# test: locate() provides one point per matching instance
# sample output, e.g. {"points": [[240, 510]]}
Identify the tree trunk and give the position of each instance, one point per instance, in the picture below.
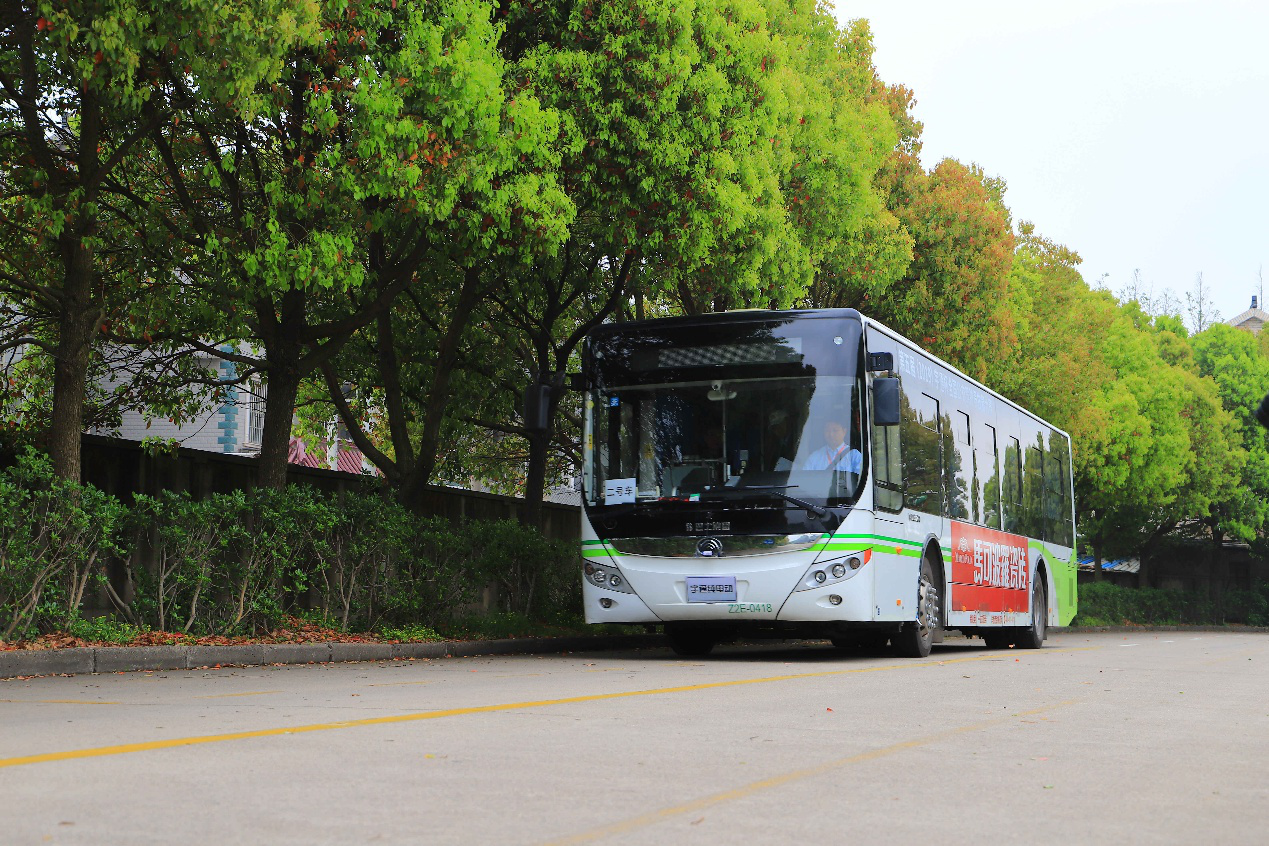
{"points": [[283, 351], [535, 478], [442, 374], [275, 441], [70, 371]]}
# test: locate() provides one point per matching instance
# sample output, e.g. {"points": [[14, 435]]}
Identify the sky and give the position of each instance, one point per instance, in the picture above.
{"points": [[1135, 132]]}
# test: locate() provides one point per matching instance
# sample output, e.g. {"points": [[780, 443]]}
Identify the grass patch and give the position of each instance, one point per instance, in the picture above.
{"points": [[103, 630], [410, 634]]}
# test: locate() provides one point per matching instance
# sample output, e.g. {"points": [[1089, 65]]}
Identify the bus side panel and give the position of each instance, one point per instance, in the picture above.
{"points": [[1066, 590], [1063, 589], [896, 577]]}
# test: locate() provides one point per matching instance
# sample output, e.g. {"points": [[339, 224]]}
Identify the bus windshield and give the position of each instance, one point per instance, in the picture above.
{"points": [[766, 413]]}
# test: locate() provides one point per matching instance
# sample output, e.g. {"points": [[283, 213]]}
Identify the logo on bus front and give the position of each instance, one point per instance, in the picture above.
{"points": [[709, 547]]}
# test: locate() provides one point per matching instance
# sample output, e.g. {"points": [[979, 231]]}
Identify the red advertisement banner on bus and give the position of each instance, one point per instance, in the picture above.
{"points": [[990, 570]]}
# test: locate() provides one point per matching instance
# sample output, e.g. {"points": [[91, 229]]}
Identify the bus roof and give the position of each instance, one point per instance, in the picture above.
{"points": [[754, 315]]}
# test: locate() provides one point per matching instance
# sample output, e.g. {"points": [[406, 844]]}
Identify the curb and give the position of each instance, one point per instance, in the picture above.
{"points": [[122, 659]]}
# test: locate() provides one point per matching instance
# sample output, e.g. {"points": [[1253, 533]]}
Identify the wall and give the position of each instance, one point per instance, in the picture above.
{"points": [[121, 467]]}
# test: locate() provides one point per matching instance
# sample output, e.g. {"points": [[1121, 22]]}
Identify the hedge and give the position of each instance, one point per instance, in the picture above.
{"points": [[237, 563], [1106, 604]]}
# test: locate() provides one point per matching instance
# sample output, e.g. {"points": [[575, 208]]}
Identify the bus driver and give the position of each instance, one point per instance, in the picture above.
{"points": [[835, 454]]}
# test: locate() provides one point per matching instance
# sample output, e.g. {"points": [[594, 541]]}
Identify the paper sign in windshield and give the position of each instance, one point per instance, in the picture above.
{"points": [[619, 491]]}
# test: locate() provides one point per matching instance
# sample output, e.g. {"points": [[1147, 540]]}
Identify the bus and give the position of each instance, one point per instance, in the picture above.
{"points": [[815, 474]]}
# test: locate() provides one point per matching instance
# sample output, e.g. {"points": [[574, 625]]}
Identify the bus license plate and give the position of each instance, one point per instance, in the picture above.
{"points": [[711, 588]]}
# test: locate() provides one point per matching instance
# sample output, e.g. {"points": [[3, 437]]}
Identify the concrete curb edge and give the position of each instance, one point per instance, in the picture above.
{"points": [[119, 659]]}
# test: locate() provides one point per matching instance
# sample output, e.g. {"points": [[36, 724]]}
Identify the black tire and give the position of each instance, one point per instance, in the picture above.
{"points": [[689, 642], [1032, 637], [915, 639]]}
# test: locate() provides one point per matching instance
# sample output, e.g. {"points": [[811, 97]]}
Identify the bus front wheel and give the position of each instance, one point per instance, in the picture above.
{"points": [[915, 639]]}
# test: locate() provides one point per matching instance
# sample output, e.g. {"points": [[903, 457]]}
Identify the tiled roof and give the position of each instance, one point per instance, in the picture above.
{"points": [[1126, 565], [349, 459], [1249, 314]]}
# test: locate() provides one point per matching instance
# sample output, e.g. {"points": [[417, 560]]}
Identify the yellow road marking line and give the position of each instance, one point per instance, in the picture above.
{"points": [[150, 746], [60, 702], [228, 695], [644, 820]]}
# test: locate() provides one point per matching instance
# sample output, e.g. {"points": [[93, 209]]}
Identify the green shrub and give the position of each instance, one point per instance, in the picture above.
{"points": [[240, 562], [1106, 604], [229, 564], [102, 630], [536, 576], [55, 537], [410, 633]]}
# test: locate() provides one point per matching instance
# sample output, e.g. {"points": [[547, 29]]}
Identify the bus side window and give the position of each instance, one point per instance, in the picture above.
{"points": [[1032, 490], [887, 472], [1011, 493], [1057, 493], [922, 458], [959, 476], [1068, 502], [987, 476]]}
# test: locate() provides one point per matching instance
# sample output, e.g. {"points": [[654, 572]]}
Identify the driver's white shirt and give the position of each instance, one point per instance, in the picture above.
{"points": [[837, 458]]}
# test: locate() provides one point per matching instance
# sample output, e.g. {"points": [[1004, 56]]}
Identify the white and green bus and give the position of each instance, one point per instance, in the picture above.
{"points": [[814, 474]]}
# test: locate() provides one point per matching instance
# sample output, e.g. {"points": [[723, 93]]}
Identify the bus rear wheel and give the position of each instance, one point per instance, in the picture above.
{"points": [[1032, 637], [915, 639], [690, 642]]}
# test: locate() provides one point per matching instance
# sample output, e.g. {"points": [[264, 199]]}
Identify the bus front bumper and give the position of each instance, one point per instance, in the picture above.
{"points": [[763, 593]]}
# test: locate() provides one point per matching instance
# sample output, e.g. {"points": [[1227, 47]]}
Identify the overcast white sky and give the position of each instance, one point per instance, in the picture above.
{"points": [[1134, 131]]}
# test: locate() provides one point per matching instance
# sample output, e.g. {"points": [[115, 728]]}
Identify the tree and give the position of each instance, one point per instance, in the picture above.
{"points": [[1199, 306], [685, 129], [1152, 446], [383, 158], [953, 225], [79, 95], [1231, 359]]}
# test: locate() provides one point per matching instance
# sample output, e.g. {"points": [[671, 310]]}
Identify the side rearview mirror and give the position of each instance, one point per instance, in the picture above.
{"points": [[537, 407], [885, 401]]}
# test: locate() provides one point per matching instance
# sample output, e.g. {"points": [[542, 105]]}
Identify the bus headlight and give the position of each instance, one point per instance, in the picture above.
{"points": [[826, 573], [605, 576]]}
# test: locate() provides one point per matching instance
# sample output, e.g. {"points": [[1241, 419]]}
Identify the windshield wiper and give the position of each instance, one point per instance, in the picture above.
{"points": [[769, 490]]}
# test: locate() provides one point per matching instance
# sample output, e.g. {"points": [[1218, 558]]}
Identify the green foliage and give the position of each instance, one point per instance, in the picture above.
{"points": [[409, 633], [533, 572], [102, 630], [55, 536], [244, 562], [85, 83], [1106, 604]]}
